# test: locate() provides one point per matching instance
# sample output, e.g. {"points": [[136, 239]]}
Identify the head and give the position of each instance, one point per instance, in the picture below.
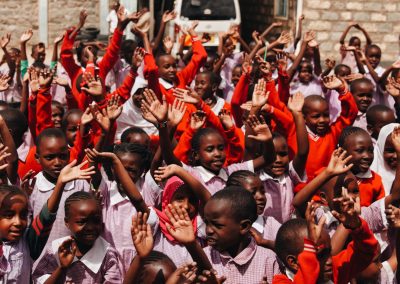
{"points": [[236, 74], [13, 213], [377, 117], [289, 244], [281, 163], [229, 215], [127, 48], [253, 184], [271, 59], [206, 84], [342, 70], [208, 149], [362, 90], [316, 114], [135, 158], [355, 41], [396, 75], [83, 217], [357, 142], [16, 123], [373, 54], [167, 67], [57, 113], [136, 135], [305, 70], [39, 52], [155, 268], [389, 153], [82, 53], [70, 124], [52, 152], [115, 5], [15, 53], [212, 57]]}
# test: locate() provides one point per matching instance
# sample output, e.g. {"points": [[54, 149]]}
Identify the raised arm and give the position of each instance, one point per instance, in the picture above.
{"points": [[166, 17], [345, 32], [26, 36], [54, 58], [12, 160], [367, 37], [309, 36], [4, 41]]}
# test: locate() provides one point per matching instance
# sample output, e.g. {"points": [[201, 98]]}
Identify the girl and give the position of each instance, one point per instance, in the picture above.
{"points": [[85, 257], [264, 228], [357, 142], [306, 82]]}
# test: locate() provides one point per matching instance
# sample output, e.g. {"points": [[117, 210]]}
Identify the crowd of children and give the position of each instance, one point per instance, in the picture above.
{"points": [[128, 163]]}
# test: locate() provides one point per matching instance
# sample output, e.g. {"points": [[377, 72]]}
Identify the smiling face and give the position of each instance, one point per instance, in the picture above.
{"points": [[133, 165], [305, 73], [203, 86], [85, 221], [389, 153], [362, 94], [167, 68], [317, 116], [56, 116], [281, 163], [72, 128], [373, 55], [13, 217], [360, 147], [254, 185], [183, 197], [211, 154]]}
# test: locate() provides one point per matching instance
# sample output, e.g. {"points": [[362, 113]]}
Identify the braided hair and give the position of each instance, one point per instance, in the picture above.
{"points": [[236, 178], [349, 131], [78, 196], [196, 142]]}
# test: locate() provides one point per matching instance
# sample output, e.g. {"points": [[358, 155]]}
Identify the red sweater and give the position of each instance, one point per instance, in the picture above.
{"points": [[371, 189], [346, 265]]}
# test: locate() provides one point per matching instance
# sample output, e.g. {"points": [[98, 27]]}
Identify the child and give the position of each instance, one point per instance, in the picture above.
{"points": [[306, 83], [136, 135], [377, 117], [20, 245], [358, 144], [85, 257], [265, 228], [340, 268], [231, 250], [362, 90]]}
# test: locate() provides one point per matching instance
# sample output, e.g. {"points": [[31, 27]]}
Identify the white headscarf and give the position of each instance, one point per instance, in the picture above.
{"points": [[379, 165]]}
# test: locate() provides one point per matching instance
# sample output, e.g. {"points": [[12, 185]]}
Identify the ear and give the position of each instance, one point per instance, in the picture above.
{"points": [[292, 262], [66, 222], [245, 226], [369, 128]]}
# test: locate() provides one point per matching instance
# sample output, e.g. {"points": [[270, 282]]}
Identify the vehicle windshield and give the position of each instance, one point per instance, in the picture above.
{"points": [[207, 10]]}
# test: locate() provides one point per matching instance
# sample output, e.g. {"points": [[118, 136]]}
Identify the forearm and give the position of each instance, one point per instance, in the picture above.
{"points": [[360, 66], [317, 62], [371, 70], [57, 276], [267, 31], [54, 57], [196, 186], [198, 255], [166, 147], [367, 37], [344, 34], [244, 45], [385, 75], [24, 97], [218, 65], [10, 63], [254, 51], [147, 44], [23, 51], [12, 160], [159, 36], [299, 161], [55, 197], [339, 239], [291, 71]]}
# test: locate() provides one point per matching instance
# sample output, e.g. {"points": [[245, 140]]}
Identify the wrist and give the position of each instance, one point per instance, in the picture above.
{"points": [[353, 224], [162, 124]]}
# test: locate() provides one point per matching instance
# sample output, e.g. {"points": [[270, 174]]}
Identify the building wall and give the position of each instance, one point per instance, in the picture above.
{"points": [[330, 18]]}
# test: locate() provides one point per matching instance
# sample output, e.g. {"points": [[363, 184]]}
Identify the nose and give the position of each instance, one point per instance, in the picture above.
{"points": [[209, 230], [17, 221], [57, 161]]}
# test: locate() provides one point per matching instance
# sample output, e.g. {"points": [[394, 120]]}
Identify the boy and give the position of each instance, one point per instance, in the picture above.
{"points": [[362, 90], [377, 117]]}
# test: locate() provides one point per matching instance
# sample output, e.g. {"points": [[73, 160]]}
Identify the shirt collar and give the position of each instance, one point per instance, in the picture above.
{"points": [[289, 274], [44, 185], [92, 259], [259, 224], [244, 256], [165, 84], [115, 195], [206, 175], [218, 105], [312, 135], [361, 114], [367, 174], [264, 177]]}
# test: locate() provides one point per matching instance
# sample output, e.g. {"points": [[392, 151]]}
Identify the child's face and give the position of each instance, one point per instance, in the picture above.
{"points": [[56, 116], [324, 257], [356, 43], [381, 119], [256, 187], [362, 151], [236, 73], [203, 86], [138, 97], [389, 153], [139, 138], [53, 155], [343, 71], [317, 117], [211, 154], [184, 198], [39, 54], [73, 121], [362, 94], [305, 74], [13, 218], [132, 164], [85, 221], [373, 56], [224, 233], [167, 68], [209, 65], [281, 163]]}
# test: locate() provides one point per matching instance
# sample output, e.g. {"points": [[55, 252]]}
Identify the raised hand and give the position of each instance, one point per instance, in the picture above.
{"points": [[392, 87], [396, 64], [5, 40], [338, 162], [260, 95], [142, 236], [151, 103], [138, 57], [284, 38], [281, 60], [330, 63], [28, 182], [181, 227], [138, 32], [296, 102], [333, 83], [26, 36], [393, 216], [97, 156], [45, 78], [114, 108], [101, 117], [67, 252], [260, 128], [210, 276], [58, 39], [168, 44], [396, 139], [314, 230], [313, 43], [185, 274], [163, 173], [168, 16], [188, 96], [255, 35], [71, 172], [176, 111], [87, 116], [197, 120], [147, 115], [4, 85], [3, 158], [309, 36], [348, 214], [82, 18], [226, 119], [93, 86], [353, 76], [246, 106], [33, 79], [61, 81]]}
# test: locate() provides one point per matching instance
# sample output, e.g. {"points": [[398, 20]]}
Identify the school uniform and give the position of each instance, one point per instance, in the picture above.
{"points": [[312, 88], [267, 226], [98, 265], [370, 186], [249, 266], [361, 120]]}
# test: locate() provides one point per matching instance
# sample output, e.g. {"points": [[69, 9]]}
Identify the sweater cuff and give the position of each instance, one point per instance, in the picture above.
{"points": [[309, 246]]}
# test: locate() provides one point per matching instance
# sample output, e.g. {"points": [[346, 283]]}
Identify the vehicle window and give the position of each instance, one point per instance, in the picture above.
{"points": [[208, 10]]}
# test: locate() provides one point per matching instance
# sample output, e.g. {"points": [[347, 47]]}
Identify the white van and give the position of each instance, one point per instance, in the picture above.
{"points": [[214, 16]]}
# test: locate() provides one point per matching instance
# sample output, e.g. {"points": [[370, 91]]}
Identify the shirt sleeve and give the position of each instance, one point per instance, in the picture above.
{"points": [[294, 176], [45, 267], [151, 192], [24, 67], [246, 166]]}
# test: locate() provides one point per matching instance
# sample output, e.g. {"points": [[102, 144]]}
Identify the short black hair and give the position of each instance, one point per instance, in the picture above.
{"points": [[64, 121], [144, 153], [214, 78], [158, 58], [78, 196], [372, 46], [289, 239], [349, 131], [49, 132], [354, 38], [16, 122], [153, 258], [308, 63], [310, 99], [374, 110], [357, 82], [236, 178], [196, 140], [241, 202], [340, 67], [132, 130]]}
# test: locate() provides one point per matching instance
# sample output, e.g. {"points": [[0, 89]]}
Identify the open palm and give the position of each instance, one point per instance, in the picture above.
{"points": [[181, 227]]}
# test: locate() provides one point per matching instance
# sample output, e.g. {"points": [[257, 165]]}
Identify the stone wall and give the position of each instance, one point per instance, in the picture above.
{"points": [[330, 18]]}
